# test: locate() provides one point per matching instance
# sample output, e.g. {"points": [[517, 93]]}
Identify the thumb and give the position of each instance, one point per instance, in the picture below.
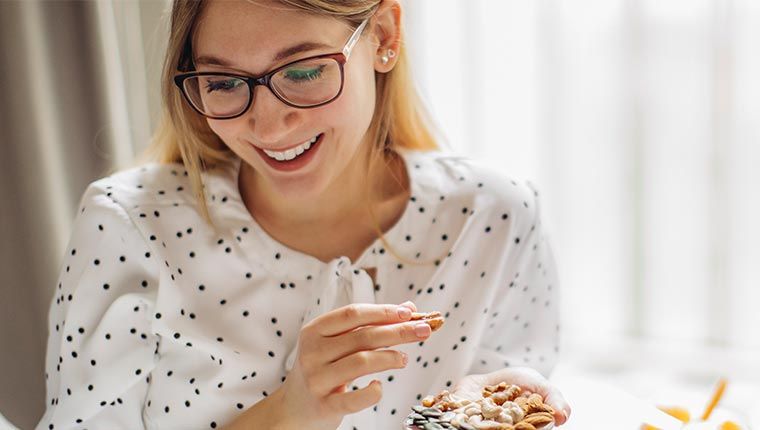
{"points": [[559, 404], [409, 305]]}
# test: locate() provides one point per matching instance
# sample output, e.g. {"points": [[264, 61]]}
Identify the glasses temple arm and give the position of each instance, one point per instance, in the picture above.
{"points": [[354, 38]]}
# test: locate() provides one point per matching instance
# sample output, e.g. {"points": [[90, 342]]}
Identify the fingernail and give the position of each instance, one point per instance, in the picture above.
{"points": [[565, 414], [408, 304], [404, 358], [422, 330], [404, 313]]}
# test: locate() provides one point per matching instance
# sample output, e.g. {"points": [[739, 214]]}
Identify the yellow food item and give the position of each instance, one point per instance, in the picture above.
{"points": [[683, 415], [715, 399], [676, 412]]}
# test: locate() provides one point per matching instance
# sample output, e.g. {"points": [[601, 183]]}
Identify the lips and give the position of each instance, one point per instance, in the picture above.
{"points": [[297, 162], [292, 152]]}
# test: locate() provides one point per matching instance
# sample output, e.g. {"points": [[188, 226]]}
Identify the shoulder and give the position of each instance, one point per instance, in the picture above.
{"points": [[472, 182], [151, 183], [157, 184], [128, 199]]}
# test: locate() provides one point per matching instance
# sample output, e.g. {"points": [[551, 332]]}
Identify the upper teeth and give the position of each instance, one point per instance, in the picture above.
{"points": [[292, 152]]}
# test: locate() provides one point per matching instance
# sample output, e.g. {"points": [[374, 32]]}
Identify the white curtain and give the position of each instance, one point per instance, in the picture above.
{"points": [[639, 120]]}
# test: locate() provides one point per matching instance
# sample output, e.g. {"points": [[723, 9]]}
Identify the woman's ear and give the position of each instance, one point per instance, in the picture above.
{"points": [[387, 33]]}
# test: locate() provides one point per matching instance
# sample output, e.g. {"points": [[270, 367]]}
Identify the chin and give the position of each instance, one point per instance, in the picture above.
{"points": [[295, 187]]}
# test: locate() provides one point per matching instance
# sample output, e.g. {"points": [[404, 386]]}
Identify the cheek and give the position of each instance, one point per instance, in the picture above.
{"points": [[226, 130], [356, 104]]}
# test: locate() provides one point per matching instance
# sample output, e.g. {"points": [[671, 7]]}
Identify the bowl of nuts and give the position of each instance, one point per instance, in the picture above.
{"points": [[501, 407]]}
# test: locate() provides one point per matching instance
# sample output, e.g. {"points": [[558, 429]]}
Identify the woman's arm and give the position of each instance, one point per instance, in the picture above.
{"points": [[100, 348], [266, 414], [522, 326]]}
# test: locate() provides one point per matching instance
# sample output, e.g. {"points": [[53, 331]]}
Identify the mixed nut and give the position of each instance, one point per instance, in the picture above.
{"points": [[433, 319], [502, 407]]}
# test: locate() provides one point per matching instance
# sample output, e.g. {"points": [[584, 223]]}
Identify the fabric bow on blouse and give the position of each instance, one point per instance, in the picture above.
{"points": [[342, 284]]}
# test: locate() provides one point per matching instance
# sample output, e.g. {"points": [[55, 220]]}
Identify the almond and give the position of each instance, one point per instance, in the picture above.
{"points": [[433, 319], [539, 419]]}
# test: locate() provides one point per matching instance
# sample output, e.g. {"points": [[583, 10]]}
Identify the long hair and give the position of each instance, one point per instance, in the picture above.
{"points": [[400, 118]]}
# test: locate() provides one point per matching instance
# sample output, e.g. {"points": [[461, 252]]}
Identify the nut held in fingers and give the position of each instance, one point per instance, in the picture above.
{"points": [[433, 319]]}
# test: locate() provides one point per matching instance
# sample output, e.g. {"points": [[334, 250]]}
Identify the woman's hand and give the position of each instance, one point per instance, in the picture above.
{"points": [[339, 347], [470, 387]]}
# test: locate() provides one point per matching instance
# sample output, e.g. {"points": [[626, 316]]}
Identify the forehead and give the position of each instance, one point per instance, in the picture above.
{"points": [[251, 34]]}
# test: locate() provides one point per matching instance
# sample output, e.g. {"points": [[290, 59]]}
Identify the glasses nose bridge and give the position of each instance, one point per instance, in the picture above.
{"points": [[261, 80], [264, 81]]}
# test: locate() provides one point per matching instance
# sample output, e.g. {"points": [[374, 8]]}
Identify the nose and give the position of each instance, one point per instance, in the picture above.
{"points": [[269, 119]]}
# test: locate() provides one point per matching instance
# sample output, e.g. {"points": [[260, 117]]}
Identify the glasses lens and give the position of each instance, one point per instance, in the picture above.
{"points": [[309, 82], [217, 95]]}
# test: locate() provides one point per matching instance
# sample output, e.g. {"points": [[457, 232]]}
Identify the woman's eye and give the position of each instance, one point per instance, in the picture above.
{"points": [[301, 74], [223, 85]]}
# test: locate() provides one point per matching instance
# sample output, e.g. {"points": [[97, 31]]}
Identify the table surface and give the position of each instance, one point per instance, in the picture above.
{"points": [[630, 400]]}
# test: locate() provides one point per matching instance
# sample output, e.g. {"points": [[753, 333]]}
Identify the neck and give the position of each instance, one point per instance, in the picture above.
{"points": [[344, 199]]}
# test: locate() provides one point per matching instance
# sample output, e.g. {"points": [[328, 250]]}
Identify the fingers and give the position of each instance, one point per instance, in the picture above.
{"points": [[360, 364], [552, 396], [561, 408], [375, 337], [354, 401], [356, 315], [410, 305]]}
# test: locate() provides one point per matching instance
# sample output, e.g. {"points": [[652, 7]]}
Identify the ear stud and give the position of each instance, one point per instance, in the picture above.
{"points": [[385, 58]]}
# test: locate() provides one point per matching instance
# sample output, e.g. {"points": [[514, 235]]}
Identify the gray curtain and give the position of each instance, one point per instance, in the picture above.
{"points": [[79, 92]]}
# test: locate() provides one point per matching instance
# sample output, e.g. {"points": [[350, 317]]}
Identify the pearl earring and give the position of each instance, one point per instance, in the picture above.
{"points": [[384, 58]]}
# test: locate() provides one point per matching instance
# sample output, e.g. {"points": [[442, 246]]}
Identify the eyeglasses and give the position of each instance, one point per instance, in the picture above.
{"points": [[305, 83]]}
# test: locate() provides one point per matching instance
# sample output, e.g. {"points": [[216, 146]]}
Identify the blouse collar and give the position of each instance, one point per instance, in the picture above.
{"points": [[223, 193]]}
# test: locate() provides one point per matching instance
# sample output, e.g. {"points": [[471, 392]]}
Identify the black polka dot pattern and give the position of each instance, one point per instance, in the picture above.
{"points": [[156, 316]]}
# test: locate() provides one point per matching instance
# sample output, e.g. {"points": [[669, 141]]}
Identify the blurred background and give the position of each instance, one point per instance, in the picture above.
{"points": [[638, 120]]}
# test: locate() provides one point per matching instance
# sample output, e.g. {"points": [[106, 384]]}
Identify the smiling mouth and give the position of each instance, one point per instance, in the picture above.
{"points": [[291, 153]]}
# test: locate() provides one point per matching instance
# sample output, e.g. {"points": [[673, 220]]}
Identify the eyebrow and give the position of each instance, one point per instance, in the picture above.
{"points": [[285, 53]]}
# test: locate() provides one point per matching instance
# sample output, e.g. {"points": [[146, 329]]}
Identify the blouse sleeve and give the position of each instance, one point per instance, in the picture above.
{"points": [[522, 321], [100, 348]]}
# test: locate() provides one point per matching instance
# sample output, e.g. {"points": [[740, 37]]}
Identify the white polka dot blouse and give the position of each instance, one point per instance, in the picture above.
{"points": [[160, 321]]}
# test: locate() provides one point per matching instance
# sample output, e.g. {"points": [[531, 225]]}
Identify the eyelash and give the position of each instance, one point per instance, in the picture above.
{"points": [[212, 85], [309, 74]]}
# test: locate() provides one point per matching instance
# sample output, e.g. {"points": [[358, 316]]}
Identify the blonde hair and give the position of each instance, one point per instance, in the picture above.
{"points": [[400, 118]]}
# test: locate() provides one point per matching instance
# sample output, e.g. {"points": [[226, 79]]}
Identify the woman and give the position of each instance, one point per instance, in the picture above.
{"points": [[247, 277]]}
